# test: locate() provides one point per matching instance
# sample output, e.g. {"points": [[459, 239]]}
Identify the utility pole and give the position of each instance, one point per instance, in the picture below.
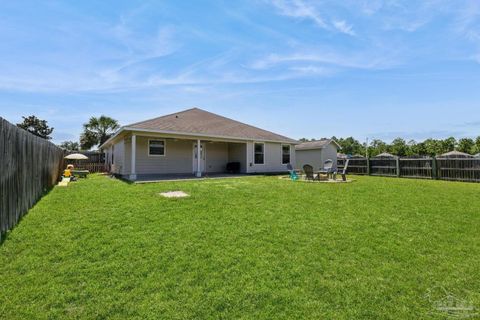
{"points": [[366, 148]]}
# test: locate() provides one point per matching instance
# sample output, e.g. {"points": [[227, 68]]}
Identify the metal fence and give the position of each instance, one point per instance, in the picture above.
{"points": [[456, 169], [29, 167]]}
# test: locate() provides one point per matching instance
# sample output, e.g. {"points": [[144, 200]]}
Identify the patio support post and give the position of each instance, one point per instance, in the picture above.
{"points": [[199, 169], [397, 165], [434, 168], [133, 173]]}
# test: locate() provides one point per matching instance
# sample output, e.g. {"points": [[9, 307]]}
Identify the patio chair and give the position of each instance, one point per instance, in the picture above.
{"points": [[327, 168], [308, 169], [343, 172], [291, 171]]}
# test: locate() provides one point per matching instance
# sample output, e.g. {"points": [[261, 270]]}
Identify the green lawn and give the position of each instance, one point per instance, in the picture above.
{"points": [[251, 248]]}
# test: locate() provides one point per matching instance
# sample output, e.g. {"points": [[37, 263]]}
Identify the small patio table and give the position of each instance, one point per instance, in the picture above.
{"points": [[80, 173], [330, 174]]}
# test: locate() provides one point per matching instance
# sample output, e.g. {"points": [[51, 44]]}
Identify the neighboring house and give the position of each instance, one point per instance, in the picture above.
{"points": [[455, 154], [315, 153], [385, 155], [169, 145]]}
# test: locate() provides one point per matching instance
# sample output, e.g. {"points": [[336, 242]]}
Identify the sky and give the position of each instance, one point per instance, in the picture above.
{"points": [[365, 68]]}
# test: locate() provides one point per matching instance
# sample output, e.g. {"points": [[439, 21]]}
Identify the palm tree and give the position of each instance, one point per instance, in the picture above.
{"points": [[97, 130]]}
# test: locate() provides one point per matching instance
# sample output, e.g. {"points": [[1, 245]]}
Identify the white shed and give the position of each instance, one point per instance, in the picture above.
{"points": [[315, 153]]}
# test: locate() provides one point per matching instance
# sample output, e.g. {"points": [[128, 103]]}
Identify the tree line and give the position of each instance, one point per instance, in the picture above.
{"points": [[95, 132], [98, 130], [401, 147]]}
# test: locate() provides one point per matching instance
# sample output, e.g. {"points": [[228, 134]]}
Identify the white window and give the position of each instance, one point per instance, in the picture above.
{"points": [[285, 153], [156, 147], [259, 155]]}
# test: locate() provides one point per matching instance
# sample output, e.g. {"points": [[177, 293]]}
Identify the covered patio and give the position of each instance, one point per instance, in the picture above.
{"points": [[149, 178], [159, 158]]}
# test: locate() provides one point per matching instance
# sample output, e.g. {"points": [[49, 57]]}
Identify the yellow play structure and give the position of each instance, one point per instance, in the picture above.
{"points": [[67, 176]]}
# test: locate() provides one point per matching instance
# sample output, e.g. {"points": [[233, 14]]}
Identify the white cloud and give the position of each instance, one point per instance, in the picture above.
{"points": [[356, 61], [301, 10], [311, 70], [342, 26]]}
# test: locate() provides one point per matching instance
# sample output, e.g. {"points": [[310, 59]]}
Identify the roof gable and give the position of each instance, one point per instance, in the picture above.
{"points": [[317, 144], [197, 121]]}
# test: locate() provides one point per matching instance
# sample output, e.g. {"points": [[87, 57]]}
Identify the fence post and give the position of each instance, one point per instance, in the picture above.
{"points": [[398, 166], [368, 166], [434, 168]]}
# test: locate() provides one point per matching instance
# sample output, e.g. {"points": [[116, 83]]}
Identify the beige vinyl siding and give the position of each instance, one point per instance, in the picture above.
{"points": [[311, 157], [330, 152], [316, 157], [216, 157], [119, 157], [177, 158], [272, 158], [237, 152]]}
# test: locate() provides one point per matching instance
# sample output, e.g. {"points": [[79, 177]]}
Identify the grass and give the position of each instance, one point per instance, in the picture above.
{"points": [[250, 248]]}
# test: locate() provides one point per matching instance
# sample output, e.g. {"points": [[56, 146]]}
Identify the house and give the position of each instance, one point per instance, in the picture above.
{"points": [[386, 155], [455, 154], [170, 145], [315, 153]]}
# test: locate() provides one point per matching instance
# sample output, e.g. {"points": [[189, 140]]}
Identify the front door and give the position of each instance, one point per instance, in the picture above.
{"points": [[202, 157]]}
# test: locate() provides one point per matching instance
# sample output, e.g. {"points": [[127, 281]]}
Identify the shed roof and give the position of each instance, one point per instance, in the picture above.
{"points": [[316, 144]]}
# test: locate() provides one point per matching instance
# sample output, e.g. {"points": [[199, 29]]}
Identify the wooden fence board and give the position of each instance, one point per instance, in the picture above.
{"points": [[454, 169], [29, 166]]}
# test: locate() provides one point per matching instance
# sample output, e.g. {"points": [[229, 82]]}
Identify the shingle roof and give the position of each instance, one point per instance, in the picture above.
{"points": [[197, 121], [317, 144], [385, 155], [456, 154]]}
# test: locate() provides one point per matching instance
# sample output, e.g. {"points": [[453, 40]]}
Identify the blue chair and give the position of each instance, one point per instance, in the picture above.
{"points": [[293, 174]]}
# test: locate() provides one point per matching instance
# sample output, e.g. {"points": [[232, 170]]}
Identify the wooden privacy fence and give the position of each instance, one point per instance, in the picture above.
{"points": [[92, 167], [94, 163], [29, 166], [458, 169]]}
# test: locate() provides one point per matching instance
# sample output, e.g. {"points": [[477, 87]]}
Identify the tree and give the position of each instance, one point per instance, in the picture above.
{"points": [[36, 126], [433, 147], [350, 145], [399, 147], [377, 146], [477, 145], [305, 140], [417, 148], [466, 145], [97, 130], [70, 145], [448, 145]]}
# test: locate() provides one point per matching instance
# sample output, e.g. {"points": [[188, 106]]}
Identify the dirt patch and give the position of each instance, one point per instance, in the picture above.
{"points": [[174, 194]]}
